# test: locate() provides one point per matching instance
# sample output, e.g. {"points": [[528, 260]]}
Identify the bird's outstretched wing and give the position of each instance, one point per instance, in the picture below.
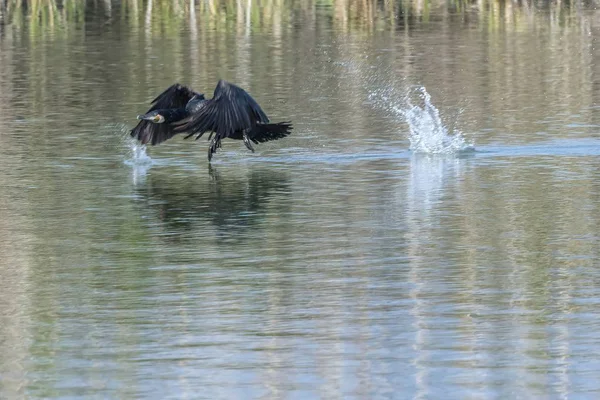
{"points": [[230, 110], [176, 96]]}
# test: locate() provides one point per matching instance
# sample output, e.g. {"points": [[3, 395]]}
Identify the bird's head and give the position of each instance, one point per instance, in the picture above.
{"points": [[153, 116]]}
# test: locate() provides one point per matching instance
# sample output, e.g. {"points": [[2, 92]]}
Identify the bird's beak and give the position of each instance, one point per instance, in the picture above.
{"points": [[154, 118]]}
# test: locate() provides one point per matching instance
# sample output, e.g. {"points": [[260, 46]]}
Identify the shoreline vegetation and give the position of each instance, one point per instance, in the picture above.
{"points": [[349, 15]]}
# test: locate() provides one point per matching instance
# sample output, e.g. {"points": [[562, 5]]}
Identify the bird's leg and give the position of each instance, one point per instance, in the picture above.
{"points": [[247, 140], [215, 143], [211, 149]]}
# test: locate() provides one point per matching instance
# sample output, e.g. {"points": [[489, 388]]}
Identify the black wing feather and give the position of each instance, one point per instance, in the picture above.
{"points": [[175, 96], [230, 110]]}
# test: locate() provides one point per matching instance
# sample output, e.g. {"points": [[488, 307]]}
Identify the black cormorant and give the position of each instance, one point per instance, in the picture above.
{"points": [[231, 113]]}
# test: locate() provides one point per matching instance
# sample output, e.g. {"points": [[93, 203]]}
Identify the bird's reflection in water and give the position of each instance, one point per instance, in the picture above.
{"points": [[233, 202]]}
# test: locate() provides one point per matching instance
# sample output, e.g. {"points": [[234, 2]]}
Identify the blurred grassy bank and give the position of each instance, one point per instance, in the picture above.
{"points": [[355, 15]]}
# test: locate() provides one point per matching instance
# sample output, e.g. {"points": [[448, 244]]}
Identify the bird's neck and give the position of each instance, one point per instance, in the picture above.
{"points": [[174, 114], [195, 103]]}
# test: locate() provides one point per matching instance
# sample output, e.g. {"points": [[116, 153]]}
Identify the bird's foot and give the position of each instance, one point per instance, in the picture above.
{"points": [[248, 143], [214, 145]]}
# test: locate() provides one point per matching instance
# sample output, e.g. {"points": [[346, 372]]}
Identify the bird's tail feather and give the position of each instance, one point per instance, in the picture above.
{"points": [[267, 132]]}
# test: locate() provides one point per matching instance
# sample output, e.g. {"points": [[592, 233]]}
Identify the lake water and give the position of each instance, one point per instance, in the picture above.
{"points": [[429, 230]]}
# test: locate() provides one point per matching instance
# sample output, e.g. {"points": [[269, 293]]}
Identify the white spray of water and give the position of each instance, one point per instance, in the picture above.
{"points": [[139, 161], [138, 155], [427, 132], [133, 153]]}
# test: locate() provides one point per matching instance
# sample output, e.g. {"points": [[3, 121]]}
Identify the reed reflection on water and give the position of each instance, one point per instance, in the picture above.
{"points": [[333, 263]]}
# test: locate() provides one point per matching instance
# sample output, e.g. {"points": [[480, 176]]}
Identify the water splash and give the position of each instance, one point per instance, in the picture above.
{"points": [[133, 153], [427, 132], [138, 155], [139, 161]]}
